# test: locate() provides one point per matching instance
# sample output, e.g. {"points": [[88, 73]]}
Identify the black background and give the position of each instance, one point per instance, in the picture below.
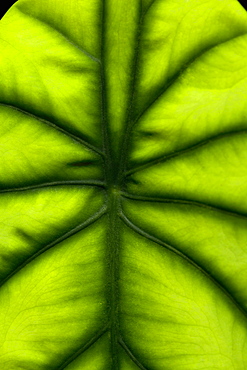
{"points": [[4, 7]]}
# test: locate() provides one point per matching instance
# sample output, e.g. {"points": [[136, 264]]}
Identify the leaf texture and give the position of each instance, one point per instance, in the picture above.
{"points": [[123, 185]]}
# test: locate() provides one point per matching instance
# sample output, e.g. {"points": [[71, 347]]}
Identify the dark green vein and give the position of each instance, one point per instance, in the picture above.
{"points": [[113, 240], [65, 236], [105, 129], [113, 243], [56, 127], [83, 51], [131, 355], [166, 157], [184, 202], [173, 79], [157, 241], [55, 183], [130, 112], [83, 349], [148, 8]]}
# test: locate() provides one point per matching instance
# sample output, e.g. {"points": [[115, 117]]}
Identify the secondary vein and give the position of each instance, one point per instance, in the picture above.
{"points": [[166, 157], [174, 250], [131, 355], [183, 202], [86, 346], [129, 121], [65, 236], [173, 79], [55, 126], [83, 51], [148, 8], [55, 183]]}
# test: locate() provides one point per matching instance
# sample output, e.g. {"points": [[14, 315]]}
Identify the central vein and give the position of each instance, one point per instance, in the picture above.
{"points": [[113, 235], [126, 22], [113, 242]]}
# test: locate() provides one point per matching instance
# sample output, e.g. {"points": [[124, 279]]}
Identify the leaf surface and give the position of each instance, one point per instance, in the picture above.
{"points": [[123, 184]]}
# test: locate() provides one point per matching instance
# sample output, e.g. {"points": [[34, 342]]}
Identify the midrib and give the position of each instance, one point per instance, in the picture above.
{"points": [[113, 231], [115, 168], [113, 242]]}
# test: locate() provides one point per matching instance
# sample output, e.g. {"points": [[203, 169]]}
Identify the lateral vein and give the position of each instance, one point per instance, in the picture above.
{"points": [[56, 127], [54, 183], [83, 51], [183, 202], [148, 8], [174, 78], [65, 236], [86, 346], [174, 250], [166, 157], [131, 105], [131, 354]]}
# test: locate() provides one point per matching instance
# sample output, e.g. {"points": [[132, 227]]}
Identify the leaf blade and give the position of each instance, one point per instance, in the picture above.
{"points": [[94, 110]]}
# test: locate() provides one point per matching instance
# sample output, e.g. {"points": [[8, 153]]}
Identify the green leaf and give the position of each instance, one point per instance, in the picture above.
{"points": [[123, 185]]}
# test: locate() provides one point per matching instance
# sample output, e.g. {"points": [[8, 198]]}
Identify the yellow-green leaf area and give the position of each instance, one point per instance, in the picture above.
{"points": [[123, 137]]}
